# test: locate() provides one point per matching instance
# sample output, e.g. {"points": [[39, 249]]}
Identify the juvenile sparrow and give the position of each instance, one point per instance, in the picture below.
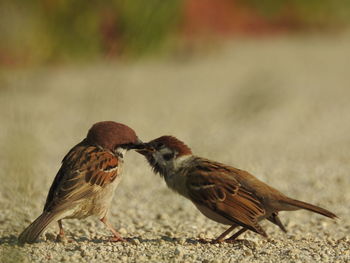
{"points": [[86, 181], [223, 193]]}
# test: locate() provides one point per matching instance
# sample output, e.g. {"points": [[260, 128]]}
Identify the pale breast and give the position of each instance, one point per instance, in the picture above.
{"points": [[98, 204], [212, 215], [177, 183]]}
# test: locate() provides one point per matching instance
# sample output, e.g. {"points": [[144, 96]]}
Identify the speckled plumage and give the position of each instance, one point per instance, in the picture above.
{"points": [[86, 181], [223, 193]]}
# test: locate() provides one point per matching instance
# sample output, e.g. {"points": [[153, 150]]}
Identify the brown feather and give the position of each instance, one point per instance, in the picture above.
{"points": [[220, 192], [307, 206], [80, 186], [275, 220], [33, 231], [173, 143], [78, 178], [109, 134]]}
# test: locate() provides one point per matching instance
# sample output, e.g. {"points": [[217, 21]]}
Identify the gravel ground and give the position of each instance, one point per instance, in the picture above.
{"points": [[278, 108]]}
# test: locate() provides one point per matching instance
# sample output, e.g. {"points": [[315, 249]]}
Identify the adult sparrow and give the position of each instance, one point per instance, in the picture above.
{"points": [[223, 193], [85, 183]]}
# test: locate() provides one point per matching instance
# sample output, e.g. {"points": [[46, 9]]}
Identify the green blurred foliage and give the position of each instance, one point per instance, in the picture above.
{"points": [[114, 27], [51, 30], [71, 27], [42, 31], [144, 26]]}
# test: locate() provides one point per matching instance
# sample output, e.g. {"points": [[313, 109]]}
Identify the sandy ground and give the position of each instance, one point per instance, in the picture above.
{"points": [[278, 108]]}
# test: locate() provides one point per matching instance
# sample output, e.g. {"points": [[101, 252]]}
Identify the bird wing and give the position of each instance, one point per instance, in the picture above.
{"points": [[215, 186], [85, 170]]}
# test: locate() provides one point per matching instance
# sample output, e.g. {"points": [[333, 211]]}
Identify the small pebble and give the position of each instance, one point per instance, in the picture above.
{"points": [[181, 241], [50, 236], [169, 234], [135, 241], [124, 259], [123, 231], [178, 251], [162, 216]]}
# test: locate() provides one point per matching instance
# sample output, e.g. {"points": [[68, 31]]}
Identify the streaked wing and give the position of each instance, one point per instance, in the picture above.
{"points": [[214, 186], [84, 171]]}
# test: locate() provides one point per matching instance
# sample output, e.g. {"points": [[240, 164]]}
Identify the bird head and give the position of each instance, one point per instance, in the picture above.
{"points": [[113, 136], [164, 152]]}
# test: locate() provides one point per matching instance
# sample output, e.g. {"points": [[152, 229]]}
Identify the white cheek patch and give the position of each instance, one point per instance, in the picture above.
{"points": [[159, 158], [120, 151], [180, 161]]}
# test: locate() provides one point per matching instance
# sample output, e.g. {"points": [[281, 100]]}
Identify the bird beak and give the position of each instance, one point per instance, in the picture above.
{"points": [[137, 145], [147, 149]]}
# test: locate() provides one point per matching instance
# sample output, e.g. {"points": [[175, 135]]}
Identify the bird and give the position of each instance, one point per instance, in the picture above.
{"points": [[86, 180], [222, 193]]}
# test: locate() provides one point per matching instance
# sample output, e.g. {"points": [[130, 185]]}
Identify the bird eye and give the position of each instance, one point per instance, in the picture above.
{"points": [[168, 156], [159, 145]]}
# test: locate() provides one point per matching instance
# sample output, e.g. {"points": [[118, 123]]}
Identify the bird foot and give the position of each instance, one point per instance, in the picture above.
{"points": [[217, 241], [230, 241], [61, 238], [116, 239], [214, 241], [204, 241]]}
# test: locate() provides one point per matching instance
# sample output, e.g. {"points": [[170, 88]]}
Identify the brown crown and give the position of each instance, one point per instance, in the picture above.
{"points": [[110, 134], [172, 143]]}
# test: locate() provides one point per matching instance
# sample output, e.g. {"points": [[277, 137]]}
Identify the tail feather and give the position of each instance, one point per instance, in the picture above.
{"points": [[33, 231], [310, 207], [275, 220]]}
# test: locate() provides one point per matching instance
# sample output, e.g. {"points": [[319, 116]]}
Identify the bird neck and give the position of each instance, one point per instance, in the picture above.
{"points": [[120, 152], [177, 166]]}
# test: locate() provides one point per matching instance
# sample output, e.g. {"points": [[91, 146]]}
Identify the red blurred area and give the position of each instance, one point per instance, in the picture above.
{"points": [[229, 17]]}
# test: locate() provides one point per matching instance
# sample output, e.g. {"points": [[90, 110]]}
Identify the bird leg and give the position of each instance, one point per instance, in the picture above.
{"points": [[224, 234], [60, 236], [116, 236], [234, 236]]}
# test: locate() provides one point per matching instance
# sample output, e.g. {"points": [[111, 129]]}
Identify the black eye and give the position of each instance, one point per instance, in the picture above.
{"points": [[124, 146], [168, 156], [159, 145]]}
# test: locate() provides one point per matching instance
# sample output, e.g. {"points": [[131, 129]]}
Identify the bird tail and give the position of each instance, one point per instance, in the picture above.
{"points": [[276, 220], [310, 207], [33, 231]]}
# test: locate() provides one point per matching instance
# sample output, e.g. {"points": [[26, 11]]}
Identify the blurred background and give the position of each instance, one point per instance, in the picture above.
{"points": [[261, 85], [54, 31]]}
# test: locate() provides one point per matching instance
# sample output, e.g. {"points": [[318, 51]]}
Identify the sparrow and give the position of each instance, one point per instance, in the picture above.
{"points": [[85, 183], [225, 194]]}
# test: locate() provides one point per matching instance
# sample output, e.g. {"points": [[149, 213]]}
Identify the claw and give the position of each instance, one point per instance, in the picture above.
{"points": [[217, 241], [61, 238], [230, 241], [203, 241], [117, 239]]}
